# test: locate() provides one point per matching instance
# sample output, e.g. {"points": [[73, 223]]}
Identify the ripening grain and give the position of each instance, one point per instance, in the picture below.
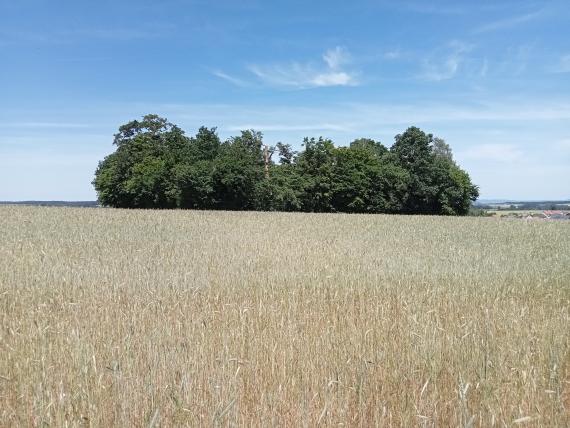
{"points": [[174, 318]]}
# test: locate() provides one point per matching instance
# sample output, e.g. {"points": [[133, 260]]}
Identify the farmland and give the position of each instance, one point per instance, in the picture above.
{"points": [[200, 318]]}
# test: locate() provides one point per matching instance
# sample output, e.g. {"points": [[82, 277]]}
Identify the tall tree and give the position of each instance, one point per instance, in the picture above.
{"points": [[194, 171], [441, 149], [237, 169], [286, 153], [316, 167], [139, 173], [413, 152]]}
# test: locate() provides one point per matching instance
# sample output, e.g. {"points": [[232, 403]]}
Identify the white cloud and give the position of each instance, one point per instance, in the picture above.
{"points": [[336, 57], [393, 54], [332, 79], [308, 75], [443, 71], [494, 152], [234, 80], [291, 128], [367, 117], [507, 23], [444, 63]]}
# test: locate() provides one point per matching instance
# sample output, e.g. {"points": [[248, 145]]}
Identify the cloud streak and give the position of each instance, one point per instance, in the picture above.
{"points": [[444, 66], [76, 35], [291, 128], [302, 76], [336, 57], [507, 153], [426, 9], [233, 80], [39, 125], [507, 23], [351, 120]]}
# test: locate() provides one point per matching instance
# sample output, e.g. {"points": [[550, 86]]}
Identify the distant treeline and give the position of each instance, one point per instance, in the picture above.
{"points": [[155, 165], [526, 205], [82, 204]]}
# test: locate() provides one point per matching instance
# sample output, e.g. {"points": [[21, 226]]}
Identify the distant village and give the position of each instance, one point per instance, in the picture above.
{"points": [[534, 215], [539, 210]]}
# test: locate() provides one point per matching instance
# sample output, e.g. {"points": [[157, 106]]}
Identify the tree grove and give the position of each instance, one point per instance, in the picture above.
{"points": [[155, 165]]}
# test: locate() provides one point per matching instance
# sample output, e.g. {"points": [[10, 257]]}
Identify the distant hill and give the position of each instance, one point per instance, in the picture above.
{"points": [[89, 204], [489, 201]]}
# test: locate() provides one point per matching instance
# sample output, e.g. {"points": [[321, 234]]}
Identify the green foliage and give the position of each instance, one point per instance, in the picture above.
{"points": [[441, 149], [156, 165], [436, 184], [140, 173], [316, 167], [194, 184], [236, 171]]}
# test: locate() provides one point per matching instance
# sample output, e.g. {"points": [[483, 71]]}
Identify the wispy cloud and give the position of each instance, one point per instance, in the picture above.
{"points": [[494, 152], [444, 64], [484, 68], [121, 34], [358, 119], [434, 113], [507, 23], [234, 80], [74, 35], [515, 61], [309, 75], [291, 128], [429, 9], [336, 57], [392, 54], [51, 125], [563, 65]]}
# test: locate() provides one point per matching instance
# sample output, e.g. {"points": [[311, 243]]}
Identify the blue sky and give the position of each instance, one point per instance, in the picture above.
{"points": [[490, 77]]}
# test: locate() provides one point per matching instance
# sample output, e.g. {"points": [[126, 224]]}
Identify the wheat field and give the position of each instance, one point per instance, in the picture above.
{"points": [[187, 318]]}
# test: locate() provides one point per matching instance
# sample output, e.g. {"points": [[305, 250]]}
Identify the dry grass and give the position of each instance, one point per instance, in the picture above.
{"points": [[150, 318]]}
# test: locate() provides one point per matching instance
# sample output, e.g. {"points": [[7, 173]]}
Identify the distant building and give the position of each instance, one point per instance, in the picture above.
{"points": [[557, 215]]}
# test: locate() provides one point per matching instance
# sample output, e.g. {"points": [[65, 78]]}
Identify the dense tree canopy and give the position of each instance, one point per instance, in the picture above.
{"points": [[155, 165]]}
